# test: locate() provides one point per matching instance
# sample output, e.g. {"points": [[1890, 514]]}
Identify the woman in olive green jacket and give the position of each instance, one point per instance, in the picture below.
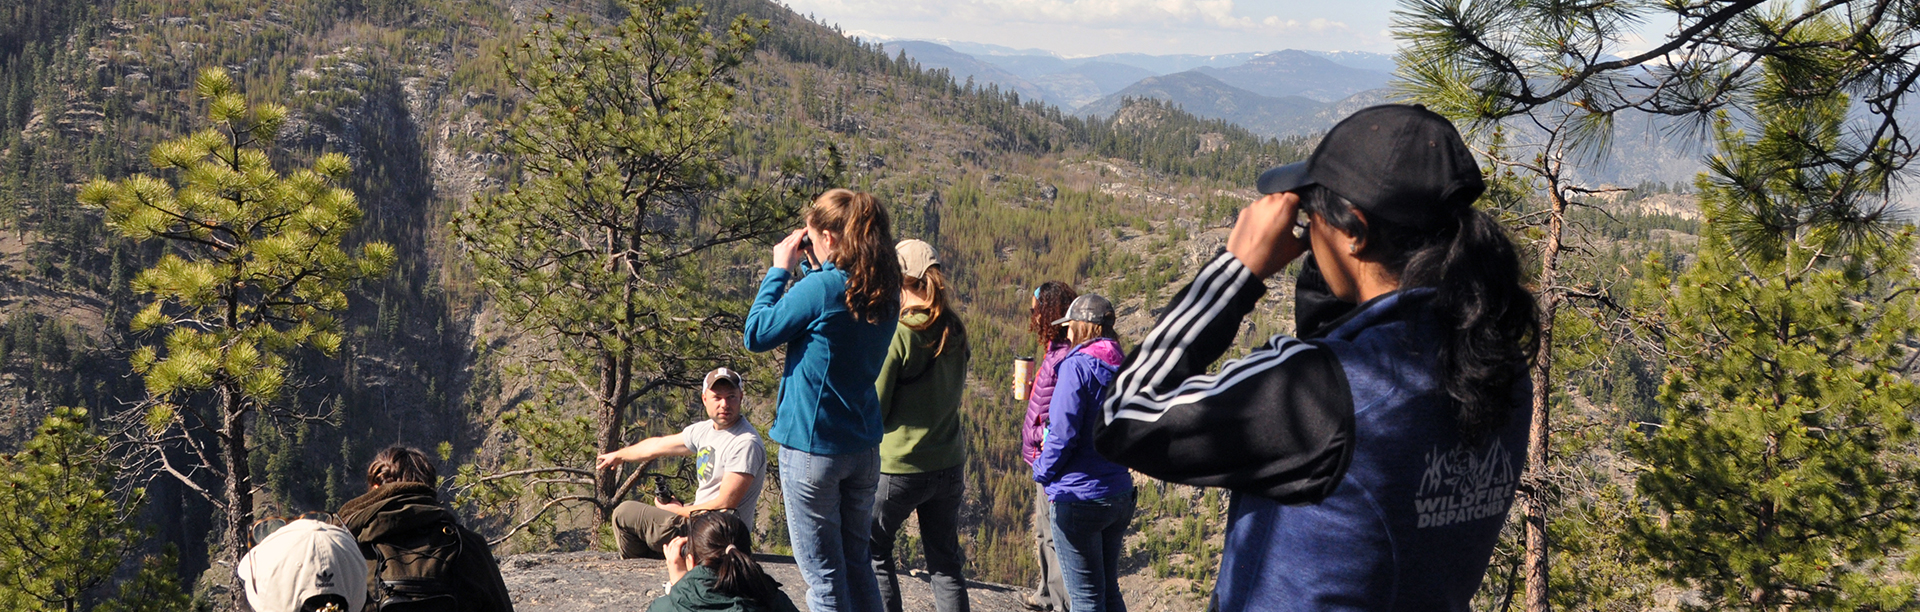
{"points": [[923, 450]]}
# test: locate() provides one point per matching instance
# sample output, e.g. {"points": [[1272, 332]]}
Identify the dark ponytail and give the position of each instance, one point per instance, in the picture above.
{"points": [[721, 541], [1492, 321]]}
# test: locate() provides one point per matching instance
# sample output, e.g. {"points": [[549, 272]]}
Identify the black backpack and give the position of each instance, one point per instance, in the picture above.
{"points": [[416, 571]]}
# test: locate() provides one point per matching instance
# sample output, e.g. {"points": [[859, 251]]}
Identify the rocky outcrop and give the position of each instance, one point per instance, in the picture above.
{"points": [[603, 582]]}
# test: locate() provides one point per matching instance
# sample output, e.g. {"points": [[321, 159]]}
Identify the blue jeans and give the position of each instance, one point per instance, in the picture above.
{"points": [[935, 496], [829, 512], [1087, 535]]}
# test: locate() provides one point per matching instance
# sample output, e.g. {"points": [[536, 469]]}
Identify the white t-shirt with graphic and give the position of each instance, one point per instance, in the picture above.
{"points": [[717, 452]]}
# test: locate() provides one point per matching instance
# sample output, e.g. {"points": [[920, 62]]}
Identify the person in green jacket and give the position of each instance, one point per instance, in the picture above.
{"points": [[923, 450], [711, 569]]}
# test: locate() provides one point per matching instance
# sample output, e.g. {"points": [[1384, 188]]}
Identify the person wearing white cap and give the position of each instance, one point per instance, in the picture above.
{"points": [[305, 565], [732, 464]]}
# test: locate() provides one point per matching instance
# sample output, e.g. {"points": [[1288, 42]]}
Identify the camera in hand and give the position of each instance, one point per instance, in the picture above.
{"points": [[806, 253], [660, 490]]}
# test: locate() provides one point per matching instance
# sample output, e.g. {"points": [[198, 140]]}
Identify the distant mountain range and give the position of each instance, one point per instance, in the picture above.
{"points": [[1297, 73], [1078, 84], [1205, 96], [1276, 94]]}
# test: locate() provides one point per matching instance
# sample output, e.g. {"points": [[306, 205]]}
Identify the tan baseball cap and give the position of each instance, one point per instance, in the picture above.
{"points": [[915, 257], [303, 560]]}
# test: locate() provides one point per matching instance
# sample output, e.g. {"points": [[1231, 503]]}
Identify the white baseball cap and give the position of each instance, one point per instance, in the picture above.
{"points": [[304, 559]]}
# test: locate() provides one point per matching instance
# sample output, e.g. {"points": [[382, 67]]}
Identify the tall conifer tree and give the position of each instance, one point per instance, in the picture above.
{"points": [[1785, 473], [602, 248], [1560, 76], [253, 270]]}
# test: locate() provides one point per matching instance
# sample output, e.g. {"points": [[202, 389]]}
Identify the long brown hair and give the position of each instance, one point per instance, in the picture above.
{"points": [[933, 282], [719, 540], [863, 247], [1050, 303]]}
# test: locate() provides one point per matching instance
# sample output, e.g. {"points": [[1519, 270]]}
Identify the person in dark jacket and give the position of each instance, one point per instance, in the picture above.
{"points": [[711, 569], [419, 557], [1093, 498], [1050, 302], [1373, 462], [923, 454]]}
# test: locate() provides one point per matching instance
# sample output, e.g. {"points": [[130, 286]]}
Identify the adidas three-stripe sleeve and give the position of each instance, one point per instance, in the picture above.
{"points": [[1276, 423]]}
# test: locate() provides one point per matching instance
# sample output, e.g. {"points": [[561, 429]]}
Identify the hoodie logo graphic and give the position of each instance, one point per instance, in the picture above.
{"points": [[1463, 485]]}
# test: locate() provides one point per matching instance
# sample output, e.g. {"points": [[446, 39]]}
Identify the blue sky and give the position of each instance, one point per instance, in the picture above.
{"points": [[1093, 27]]}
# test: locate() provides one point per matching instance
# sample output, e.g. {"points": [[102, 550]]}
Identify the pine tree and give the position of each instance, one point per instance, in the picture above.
{"points": [[601, 248], [1554, 72], [153, 589], [253, 271], [64, 525], [1784, 475]]}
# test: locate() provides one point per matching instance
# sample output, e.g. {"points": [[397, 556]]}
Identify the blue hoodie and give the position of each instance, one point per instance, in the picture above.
{"points": [[1068, 465], [827, 401]]}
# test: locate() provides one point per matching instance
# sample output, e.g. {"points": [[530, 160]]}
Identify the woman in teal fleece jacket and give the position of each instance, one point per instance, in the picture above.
{"points": [[836, 324]]}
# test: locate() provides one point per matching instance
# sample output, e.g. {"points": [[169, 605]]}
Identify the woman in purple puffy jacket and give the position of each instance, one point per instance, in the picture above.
{"points": [[1050, 302]]}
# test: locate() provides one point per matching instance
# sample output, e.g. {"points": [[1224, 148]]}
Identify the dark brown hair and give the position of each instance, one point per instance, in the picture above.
{"points": [[935, 283], [1050, 303], [863, 248], [401, 464], [720, 540]]}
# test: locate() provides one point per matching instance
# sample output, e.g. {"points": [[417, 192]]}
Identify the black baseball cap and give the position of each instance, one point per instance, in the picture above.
{"points": [[1091, 308], [1398, 162]]}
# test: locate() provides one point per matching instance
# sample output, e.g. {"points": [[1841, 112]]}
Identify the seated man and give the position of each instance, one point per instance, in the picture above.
{"points": [[732, 465]]}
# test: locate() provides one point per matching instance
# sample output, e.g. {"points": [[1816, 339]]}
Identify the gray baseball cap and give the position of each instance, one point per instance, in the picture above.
{"points": [[1090, 308]]}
